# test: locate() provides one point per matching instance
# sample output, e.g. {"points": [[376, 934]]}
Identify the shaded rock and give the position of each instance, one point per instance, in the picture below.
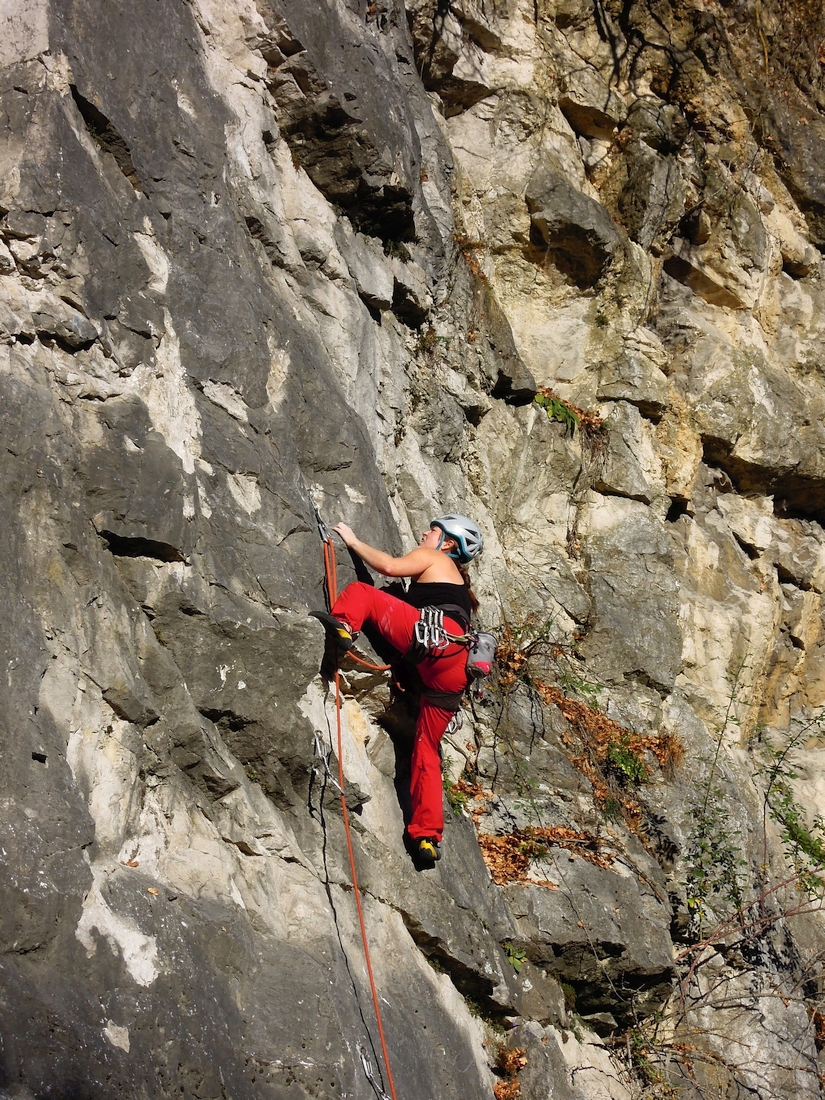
{"points": [[756, 413], [653, 199], [136, 485], [687, 266], [450, 46], [411, 299], [659, 124], [7, 265], [61, 321], [589, 105], [368, 266], [334, 98], [577, 231], [577, 934], [505, 371], [798, 147], [799, 257]]}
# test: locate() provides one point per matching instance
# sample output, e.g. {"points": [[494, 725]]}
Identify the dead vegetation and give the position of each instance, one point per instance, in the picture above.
{"points": [[615, 760], [510, 855], [508, 1065]]}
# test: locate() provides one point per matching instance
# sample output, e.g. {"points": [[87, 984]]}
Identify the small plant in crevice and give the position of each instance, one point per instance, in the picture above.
{"points": [[588, 691], [457, 793], [469, 247], [571, 416], [516, 956], [625, 762], [429, 341], [648, 1056], [398, 250]]}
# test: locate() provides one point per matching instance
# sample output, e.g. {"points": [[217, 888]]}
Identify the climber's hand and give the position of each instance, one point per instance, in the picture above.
{"points": [[346, 533]]}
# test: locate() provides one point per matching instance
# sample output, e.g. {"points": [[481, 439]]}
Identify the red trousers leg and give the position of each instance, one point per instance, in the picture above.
{"points": [[360, 603], [426, 787], [396, 620]]}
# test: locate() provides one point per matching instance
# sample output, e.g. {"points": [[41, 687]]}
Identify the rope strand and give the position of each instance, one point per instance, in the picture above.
{"points": [[331, 576]]}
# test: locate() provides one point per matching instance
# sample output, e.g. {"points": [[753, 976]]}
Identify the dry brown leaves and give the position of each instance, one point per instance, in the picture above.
{"points": [[510, 1063], [595, 726], [600, 732], [511, 662], [474, 796], [509, 855]]}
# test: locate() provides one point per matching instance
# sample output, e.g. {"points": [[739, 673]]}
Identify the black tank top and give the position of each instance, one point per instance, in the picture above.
{"points": [[440, 594]]}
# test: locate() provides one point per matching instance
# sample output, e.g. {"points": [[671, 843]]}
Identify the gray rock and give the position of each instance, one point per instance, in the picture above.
{"points": [[659, 124], [577, 934], [621, 465], [576, 229], [195, 343], [637, 376], [653, 199], [799, 148], [449, 52], [368, 267], [65, 323], [635, 631], [506, 373], [590, 106]]}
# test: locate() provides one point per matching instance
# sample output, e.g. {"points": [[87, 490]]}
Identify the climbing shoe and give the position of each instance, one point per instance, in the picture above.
{"points": [[340, 632], [427, 852]]}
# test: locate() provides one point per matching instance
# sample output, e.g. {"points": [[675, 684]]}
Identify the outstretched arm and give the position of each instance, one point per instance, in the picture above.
{"points": [[410, 565]]}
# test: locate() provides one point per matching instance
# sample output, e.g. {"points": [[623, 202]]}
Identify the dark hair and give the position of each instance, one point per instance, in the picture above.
{"points": [[465, 576]]}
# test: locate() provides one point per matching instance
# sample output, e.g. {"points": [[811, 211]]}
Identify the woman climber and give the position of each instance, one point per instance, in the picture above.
{"points": [[409, 623]]}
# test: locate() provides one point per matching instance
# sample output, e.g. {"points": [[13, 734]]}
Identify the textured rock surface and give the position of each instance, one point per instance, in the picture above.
{"points": [[260, 256]]}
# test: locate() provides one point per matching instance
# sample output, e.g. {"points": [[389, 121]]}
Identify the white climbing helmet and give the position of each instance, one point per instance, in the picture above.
{"points": [[466, 533]]}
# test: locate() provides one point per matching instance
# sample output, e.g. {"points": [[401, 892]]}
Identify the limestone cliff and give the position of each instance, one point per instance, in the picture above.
{"points": [[555, 264]]}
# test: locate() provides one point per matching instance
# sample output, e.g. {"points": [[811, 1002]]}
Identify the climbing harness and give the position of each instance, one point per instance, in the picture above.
{"points": [[331, 583], [431, 639]]}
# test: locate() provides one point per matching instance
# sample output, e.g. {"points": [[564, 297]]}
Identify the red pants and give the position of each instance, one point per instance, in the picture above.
{"points": [[395, 620]]}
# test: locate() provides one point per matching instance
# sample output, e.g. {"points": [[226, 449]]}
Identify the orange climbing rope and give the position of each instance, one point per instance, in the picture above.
{"points": [[332, 594]]}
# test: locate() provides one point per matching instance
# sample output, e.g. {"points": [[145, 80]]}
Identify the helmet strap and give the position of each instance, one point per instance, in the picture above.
{"points": [[454, 554]]}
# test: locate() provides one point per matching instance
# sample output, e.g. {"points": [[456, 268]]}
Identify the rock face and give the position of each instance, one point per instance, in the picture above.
{"points": [[261, 258]]}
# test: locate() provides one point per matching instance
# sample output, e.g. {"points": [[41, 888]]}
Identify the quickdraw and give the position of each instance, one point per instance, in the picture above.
{"points": [[431, 637]]}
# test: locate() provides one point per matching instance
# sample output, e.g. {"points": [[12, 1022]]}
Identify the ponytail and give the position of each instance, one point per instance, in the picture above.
{"points": [[465, 576]]}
